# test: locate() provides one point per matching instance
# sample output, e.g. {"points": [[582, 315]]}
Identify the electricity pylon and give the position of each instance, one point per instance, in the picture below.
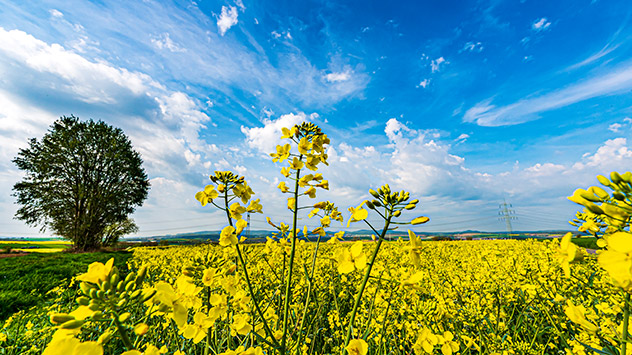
{"points": [[507, 214]]}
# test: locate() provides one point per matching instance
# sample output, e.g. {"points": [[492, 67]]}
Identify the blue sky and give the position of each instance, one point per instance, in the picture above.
{"points": [[464, 103]]}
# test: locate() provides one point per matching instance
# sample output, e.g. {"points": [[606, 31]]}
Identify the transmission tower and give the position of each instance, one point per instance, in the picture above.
{"points": [[507, 214], [248, 230]]}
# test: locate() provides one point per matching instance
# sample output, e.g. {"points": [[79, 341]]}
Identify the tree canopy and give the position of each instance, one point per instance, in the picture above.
{"points": [[82, 180]]}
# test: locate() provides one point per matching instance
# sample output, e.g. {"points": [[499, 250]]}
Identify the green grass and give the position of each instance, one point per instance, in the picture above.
{"points": [[586, 242], [25, 280]]}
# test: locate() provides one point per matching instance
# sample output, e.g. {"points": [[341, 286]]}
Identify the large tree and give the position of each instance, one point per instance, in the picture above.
{"points": [[82, 179]]}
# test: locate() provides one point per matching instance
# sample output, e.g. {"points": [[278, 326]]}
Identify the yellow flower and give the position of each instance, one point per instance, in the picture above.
{"points": [[296, 164], [208, 276], [197, 330], [357, 347], [285, 171], [567, 253], [304, 146], [236, 210], [325, 221], [290, 203], [425, 341], [255, 206], [227, 236], [617, 259], [352, 258], [288, 133], [576, 315], [312, 162], [207, 195], [97, 272], [357, 214], [282, 153], [241, 324], [311, 192], [69, 345], [449, 346], [283, 187], [141, 328], [241, 224], [414, 248]]}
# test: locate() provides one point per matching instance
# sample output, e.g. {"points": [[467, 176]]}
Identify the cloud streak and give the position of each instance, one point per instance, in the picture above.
{"points": [[488, 114]]}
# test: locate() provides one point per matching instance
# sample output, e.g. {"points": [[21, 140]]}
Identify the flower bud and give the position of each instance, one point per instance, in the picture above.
{"points": [[105, 285], [85, 288], [603, 180], [618, 196], [374, 193], [124, 317], [114, 280], [121, 285], [141, 329], [420, 220], [593, 208], [97, 315], [60, 318], [130, 277], [376, 203], [397, 213], [72, 324], [84, 301], [141, 275], [410, 206], [615, 177], [369, 205]]}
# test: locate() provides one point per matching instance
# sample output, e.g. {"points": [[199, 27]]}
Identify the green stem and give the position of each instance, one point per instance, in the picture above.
{"points": [[209, 332], [356, 304], [309, 293], [288, 282], [122, 333], [626, 316], [250, 290]]}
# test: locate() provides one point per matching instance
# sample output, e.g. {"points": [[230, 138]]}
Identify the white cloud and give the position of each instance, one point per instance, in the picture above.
{"points": [[472, 47], [337, 77], [163, 125], [615, 127], [164, 42], [485, 113], [462, 137], [56, 13], [437, 63], [227, 19], [540, 25], [266, 138], [424, 83]]}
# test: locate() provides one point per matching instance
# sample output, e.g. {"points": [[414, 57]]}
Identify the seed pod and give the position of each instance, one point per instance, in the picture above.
{"points": [[124, 317], [114, 280], [130, 277], [141, 275], [572, 223], [60, 318], [85, 288], [97, 315], [84, 301], [148, 296], [94, 306], [105, 285], [72, 324], [374, 193], [419, 220], [130, 286], [397, 213]]}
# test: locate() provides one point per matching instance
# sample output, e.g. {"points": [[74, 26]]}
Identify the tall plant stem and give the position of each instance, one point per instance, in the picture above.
{"points": [[250, 289], [626, 316], [288, 281], [309, 293], [365, 279], [123, 333]]}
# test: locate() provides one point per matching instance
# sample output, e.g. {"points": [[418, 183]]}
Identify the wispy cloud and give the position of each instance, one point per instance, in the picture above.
{"points": [[164, 42], [540, 25], [472, 47], [337, 77], [437, 64], [486, 113]]}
